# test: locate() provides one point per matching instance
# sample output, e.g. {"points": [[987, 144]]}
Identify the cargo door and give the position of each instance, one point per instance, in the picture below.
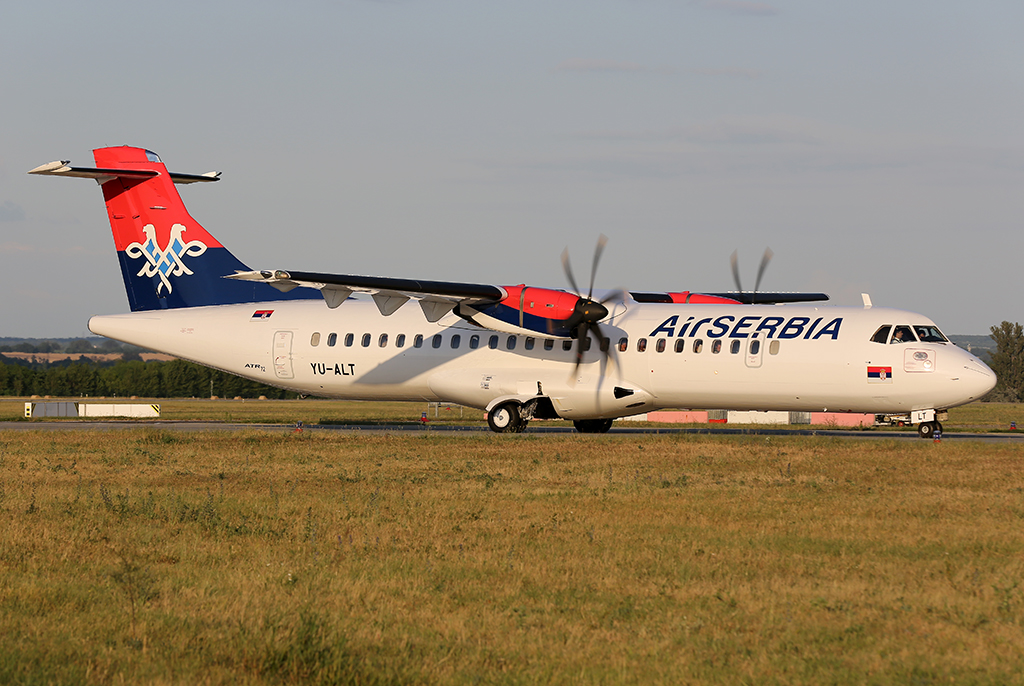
{"points": [[282, 352]]}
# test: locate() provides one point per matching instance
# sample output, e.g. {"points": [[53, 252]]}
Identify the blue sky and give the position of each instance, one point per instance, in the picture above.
{"points": [[874, 146]]}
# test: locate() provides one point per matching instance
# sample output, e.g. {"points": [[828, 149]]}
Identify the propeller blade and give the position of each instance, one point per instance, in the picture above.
{"points": [[607, 351], [735, 262], [522, 304], [768, 254], [614, 295], [602, 241], [568, 271], [581, 337]]}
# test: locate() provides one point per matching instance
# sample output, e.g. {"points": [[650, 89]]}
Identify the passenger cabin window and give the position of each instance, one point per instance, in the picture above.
{"points": [[773, 348], [366, 340], [716, 347], [474, 342], [456, 340], [417, 341], [698, 345], [929, 334], [492, 342], [549, 344], [400, 340], [882, 335], [349, 339], [383, 340], [436, 342], [605, 344], [641, 345], [529, 343], [587, 342], [755, 347], [511, 343], [567, 345], [314, 340], [660, 345], [902, 334], [623, 344], [680, 345], [332, 340], [734, 347]]}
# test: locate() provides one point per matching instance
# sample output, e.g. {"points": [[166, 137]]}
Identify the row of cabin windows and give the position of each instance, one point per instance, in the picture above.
{"points": [[435, 341], [697, 345], [494, 341]]}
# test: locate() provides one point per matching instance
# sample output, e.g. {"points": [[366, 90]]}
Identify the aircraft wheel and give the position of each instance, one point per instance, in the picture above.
{"points": [[505, 419], [926, 429], [592, 426]]}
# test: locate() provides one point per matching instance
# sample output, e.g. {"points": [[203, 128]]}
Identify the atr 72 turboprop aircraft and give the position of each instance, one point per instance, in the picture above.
{"points": [[517, 352]]}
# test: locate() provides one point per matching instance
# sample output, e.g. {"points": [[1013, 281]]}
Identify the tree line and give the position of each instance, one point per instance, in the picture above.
{"points": [[1008, 363], [77, 345], [83, 378]]}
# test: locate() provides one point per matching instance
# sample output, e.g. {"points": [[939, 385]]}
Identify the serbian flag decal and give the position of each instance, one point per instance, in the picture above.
{"points": [[261, 314], [880, 374]]}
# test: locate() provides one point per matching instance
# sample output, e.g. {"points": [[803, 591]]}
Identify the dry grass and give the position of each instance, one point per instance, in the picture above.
{"points": [[973, 417], [149, 556], [309, 411]]}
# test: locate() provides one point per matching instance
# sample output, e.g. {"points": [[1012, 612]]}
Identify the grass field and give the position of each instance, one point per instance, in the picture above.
{"points": [[147, 556], [973, 417]]}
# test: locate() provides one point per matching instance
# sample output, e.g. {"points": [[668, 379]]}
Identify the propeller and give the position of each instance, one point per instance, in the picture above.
{"points": [[588, 312], [734, 261]]}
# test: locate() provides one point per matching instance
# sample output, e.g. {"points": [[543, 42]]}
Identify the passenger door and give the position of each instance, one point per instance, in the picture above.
{"points": [[282, 352]]}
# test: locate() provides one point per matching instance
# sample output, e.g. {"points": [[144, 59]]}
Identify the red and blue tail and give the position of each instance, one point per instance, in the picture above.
{"points": [[168, 259]]}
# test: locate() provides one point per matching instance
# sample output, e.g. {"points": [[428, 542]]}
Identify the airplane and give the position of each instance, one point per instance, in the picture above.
{"points": [[517, 352]]}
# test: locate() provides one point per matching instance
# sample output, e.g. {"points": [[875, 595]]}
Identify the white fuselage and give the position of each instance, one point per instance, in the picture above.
{"points": [[758, 357]]}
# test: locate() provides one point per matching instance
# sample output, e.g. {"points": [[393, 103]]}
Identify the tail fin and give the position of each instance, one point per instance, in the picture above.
{"points": [[167, 258]]}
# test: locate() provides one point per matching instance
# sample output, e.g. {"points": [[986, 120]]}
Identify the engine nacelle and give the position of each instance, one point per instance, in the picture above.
{"points": [[528, 311]]}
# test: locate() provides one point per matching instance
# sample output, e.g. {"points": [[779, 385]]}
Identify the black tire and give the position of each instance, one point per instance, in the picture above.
{"points": [[926, 429], [592, 426], [506, 419]]}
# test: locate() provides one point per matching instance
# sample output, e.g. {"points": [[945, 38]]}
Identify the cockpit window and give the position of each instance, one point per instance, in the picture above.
{"points": [[902, 334], [929, 334], [152, 156], [882, 335]]}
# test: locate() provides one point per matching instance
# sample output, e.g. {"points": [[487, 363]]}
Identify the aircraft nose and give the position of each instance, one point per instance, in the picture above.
{"points": [[980, 379]]}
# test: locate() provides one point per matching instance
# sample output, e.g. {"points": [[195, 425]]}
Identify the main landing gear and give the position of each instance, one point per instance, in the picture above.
{"points": [[928, 429], [506, 418], [593, 426]]}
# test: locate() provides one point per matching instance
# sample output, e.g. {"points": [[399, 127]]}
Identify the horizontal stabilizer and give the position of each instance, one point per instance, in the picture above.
{"points": [[61, 168]]}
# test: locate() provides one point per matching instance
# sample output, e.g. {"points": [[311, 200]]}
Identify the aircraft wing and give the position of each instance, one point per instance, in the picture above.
{"points": [[436, 298], [770, 298]]}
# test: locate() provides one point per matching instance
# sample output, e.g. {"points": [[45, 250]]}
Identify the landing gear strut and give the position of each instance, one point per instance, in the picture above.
{"points": [[506, 418], [593, 426]]}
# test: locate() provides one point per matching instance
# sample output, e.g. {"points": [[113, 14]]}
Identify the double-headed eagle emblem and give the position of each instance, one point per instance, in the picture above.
{"points": [[164, 262]]}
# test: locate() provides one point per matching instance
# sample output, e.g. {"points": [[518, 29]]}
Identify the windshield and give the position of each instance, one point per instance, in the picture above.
{"points": [[902, 334], [929, 334]]}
